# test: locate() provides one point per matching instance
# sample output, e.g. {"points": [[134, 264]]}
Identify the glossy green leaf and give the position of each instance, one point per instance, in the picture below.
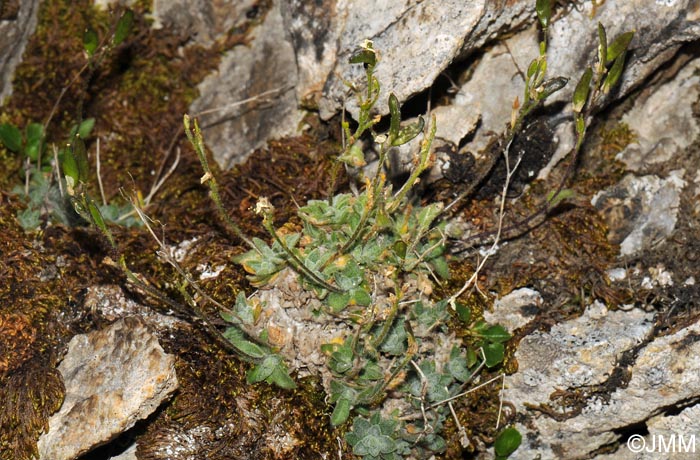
{"points": [[464, 313], [11, 137], [394, 116], [472, 357], [400, 248], [507, 442], [619, 46], [32, 149], [532, 68], [365, 55], [124, 26], [79, 152], [544, 12], [553, 201], [494, 353], [583, 87], [34, 132], [70, 169], [496, 333], [85, 127], [551, 86], [602, 45], [614, 73], [90, 41], [409, 132], [96, 216]]}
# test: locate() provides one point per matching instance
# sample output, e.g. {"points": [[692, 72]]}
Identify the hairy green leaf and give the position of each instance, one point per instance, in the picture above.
{"points": [[263, 370], [280, 377], [341, 412], [248, 348]]}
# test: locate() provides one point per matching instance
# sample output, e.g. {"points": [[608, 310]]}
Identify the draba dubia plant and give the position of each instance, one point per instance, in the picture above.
{"points": [[56, 172], [349, 296]]}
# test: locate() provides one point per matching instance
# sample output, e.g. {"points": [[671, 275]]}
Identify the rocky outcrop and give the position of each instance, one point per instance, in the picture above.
{"points": [[113, 378], [18, 20], [587, 381]]}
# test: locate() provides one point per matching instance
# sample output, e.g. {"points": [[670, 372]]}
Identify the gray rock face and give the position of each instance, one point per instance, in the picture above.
{"points": [[516, 309], [17, 23], [305, 46], [641, 211], [417, 41], [663, 120], [599, 357], [251, 99], [204, 20], [113, 378], [670, 437]]}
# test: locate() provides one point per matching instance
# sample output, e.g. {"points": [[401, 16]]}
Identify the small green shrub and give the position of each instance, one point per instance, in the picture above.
{"points": [[370, 259], [361, 272], [59, 197]]}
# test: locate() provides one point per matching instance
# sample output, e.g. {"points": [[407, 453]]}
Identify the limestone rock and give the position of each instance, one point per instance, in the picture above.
{"points": [[662, 27], [205, 21], [662, 118], [619, 380], [670, 437], [416, 40], [113, 378], [641, 210], [515, 309], [18, 20], [251, 98]]}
